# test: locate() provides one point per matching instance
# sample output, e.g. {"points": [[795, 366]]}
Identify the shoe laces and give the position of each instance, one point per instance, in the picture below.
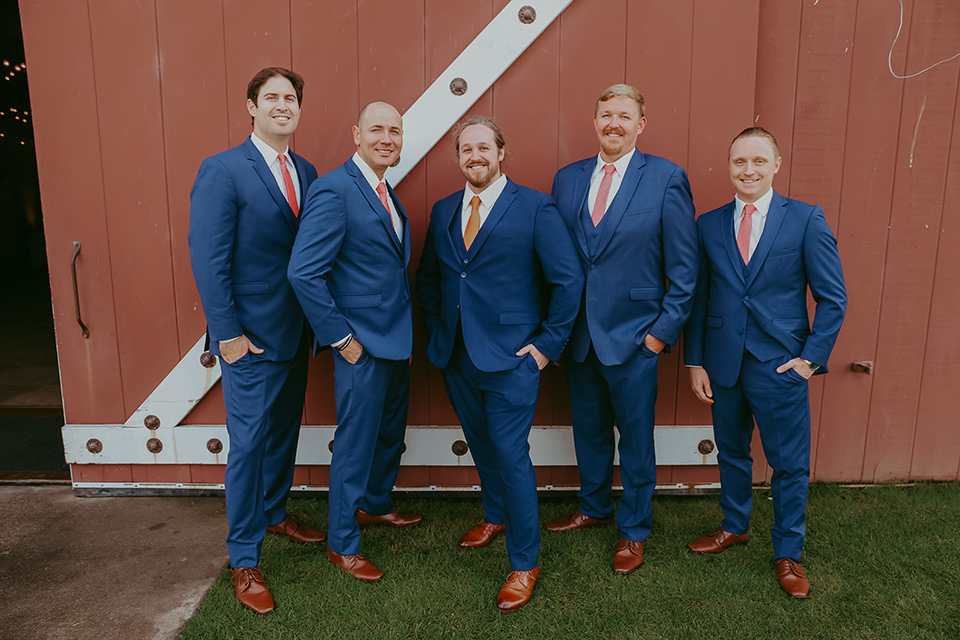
{"points": [[248, 576]]}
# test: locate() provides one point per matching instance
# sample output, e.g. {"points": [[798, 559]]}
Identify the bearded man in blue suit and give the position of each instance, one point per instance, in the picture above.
{"points": [[349, 271], [244, 209], [751, 349], [499, 287], [633, 221]]}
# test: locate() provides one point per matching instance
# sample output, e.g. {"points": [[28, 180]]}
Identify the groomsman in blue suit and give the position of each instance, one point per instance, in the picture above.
{"points": [[499, 287], [244, 209], [751, 349], [349, 271], [633, 221]]}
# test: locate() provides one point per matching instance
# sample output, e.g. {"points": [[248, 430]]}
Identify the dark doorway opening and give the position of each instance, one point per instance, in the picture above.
{"points": [[31, 406]]}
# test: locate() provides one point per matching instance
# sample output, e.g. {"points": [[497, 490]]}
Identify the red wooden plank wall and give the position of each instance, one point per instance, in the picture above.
{"points": [[123, 121]]}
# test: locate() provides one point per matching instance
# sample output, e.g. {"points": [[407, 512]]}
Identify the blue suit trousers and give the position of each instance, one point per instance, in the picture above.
{"points": [[780, 402], [264, 402]]}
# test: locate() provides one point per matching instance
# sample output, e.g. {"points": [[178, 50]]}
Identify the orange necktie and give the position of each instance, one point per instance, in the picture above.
{"points": [[473, 223], [288, 185], [600, 206], [743, 236]]}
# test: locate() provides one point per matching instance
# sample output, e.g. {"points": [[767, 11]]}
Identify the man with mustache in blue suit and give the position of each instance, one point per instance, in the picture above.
{"points": [[633, 220], [499, 286], [244, 216], [751, 349], [349, 271]]}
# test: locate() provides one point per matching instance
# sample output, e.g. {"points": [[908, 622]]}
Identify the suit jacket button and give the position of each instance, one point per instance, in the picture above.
{"points": [[593, 266], [466, 260], [740, 332], [746, 298], [463, 274]]}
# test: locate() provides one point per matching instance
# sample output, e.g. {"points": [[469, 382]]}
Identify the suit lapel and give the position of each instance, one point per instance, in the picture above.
{"points": [[580, 191], [631, 181], [374, 201], [775, 216], [729, 240], [270, 183], [403, 221], [452, 224]]}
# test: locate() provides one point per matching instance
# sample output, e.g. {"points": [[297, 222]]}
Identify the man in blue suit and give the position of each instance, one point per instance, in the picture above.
{"points": [[244, 210], [349, 271], [499, 287], [633, 220], [751, 349]]}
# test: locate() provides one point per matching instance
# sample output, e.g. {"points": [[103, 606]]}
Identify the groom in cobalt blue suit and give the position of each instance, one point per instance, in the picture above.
{"points": [[244, 209], [349, 271], [499, 287], [633, 220], [751, 349]]}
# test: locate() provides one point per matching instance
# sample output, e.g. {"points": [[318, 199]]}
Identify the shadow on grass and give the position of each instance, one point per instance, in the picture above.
{"points": [[882, 563]]}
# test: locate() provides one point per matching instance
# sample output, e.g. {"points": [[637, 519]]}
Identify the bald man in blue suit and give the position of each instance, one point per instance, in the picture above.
{"points": [[244, 209], [751, 349], [633, 221], [349, 271], [499, 287]]}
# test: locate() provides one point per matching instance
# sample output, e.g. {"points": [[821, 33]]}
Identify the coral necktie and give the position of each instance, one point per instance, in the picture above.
{"points": [[600, 206], [743, 236], [288, 185]]}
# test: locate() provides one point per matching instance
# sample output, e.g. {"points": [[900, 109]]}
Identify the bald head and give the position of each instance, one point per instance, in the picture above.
{"points": [[378, 135]]}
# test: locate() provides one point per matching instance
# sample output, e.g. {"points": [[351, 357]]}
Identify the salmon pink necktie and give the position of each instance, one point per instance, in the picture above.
{"points": [[382, 192], [288, 185], [600, 206], [743, 236]]}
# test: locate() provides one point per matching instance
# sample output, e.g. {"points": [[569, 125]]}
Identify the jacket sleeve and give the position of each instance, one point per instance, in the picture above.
{"points": [[428, 281], [214, 210], [694, 334], [821, 260]]}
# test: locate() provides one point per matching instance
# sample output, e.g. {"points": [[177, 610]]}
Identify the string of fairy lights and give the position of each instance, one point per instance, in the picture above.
{"points": [[11, 70]]}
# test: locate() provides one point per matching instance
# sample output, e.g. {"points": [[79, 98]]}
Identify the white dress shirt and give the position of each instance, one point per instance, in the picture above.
{"points": [[759, 218], [488, 198], [620, 166], [271, 157]]}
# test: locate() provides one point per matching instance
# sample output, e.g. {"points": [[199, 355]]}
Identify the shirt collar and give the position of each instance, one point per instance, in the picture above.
{"points": [[620, 163], [269, 154], [762, 204], [367, 172], [488, 197]]}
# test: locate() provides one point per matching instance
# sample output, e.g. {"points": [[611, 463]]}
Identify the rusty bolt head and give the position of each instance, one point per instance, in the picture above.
{"points": [[214, 445], [459, 448], [94, 445], [705, 447], [330, 446], [154, 445], [458, 86], [208, 360], [527, 14], [151, 422]]}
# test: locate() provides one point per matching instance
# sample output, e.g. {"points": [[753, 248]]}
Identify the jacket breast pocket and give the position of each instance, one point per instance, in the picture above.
{"points": [[517, 317], [358, 302], [251, 288]]}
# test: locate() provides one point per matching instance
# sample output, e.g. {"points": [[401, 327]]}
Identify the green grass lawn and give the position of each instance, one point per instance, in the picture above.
{"points": [[883, 562]]}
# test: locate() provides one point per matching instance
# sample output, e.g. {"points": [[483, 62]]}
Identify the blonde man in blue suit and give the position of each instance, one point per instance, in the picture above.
{"points": [[349, 271], [751, 349], [244, 217], [633, 222]]}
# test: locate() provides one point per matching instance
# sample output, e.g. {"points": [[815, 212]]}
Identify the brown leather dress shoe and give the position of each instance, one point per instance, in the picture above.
{"points": [[516, 592], [792, 579], [251, 589], [717, 541], [480, 535], [627, 556], [297, 532], [394, 519], [356, 565], [576, 522]]}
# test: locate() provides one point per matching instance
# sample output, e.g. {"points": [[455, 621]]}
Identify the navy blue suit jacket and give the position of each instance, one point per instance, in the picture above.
{"points": [[349, 269], [519, 283], [647, 236], [241, 233], [763, 307]]}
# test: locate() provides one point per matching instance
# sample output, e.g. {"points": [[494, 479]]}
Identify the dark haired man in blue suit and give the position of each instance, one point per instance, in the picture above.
{"points": [[751, 349], [244, 210], [633, 219], [499, 286], [349, 270]]}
